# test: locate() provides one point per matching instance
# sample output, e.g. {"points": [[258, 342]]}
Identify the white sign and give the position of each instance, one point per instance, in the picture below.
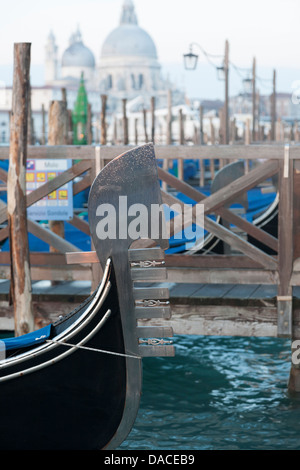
{"points": [[58, 205]]}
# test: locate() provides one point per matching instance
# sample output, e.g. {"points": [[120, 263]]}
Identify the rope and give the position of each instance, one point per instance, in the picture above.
{"points": [[92, 349]]}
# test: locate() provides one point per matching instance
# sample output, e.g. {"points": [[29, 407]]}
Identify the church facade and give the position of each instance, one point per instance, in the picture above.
{"points": [[128, 66]]}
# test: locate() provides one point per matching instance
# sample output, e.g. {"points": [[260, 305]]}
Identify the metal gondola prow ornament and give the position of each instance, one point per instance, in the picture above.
{"points": [[127, 185], [76, 384]]}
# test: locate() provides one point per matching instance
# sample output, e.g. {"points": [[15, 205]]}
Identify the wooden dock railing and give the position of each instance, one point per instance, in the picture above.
{"points": [[251, 266]]}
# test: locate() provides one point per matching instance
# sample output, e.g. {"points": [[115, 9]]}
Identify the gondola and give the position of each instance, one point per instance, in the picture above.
{"points": [[76, 384], [266, 220]]}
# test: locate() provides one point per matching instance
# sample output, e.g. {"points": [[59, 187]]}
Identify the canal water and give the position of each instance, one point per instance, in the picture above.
{"points": [[218, 393]]}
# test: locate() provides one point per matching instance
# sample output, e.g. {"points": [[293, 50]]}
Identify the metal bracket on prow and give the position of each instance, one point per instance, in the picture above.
{"points": [[151, 302]]}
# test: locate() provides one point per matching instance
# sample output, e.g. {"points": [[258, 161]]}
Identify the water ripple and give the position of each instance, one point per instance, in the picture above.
{"points": [[217, 393]]}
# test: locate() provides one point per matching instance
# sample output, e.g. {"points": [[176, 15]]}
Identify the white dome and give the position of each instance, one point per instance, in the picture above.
{"points": [[129, 39], [77, 54]]}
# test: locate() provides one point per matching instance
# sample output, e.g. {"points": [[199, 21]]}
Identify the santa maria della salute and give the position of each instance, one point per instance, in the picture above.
{"points": [[127, 68], [128, 63]]}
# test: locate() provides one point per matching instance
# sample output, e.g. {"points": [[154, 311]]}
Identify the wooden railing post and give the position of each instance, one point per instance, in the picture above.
{"points": [[103, 137], [125, 122], [16, 193], [285, 254], [57, 136]]}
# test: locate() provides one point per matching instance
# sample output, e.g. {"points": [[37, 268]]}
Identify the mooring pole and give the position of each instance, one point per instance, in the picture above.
{"points": [[16, 193], [57, 124]]}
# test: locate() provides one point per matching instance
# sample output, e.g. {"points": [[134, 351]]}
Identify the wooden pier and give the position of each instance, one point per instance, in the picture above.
{"points": [[250, 290], [247, 293]]}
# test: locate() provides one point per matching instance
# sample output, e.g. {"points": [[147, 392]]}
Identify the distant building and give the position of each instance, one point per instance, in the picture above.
{"points": [[128, 68]]}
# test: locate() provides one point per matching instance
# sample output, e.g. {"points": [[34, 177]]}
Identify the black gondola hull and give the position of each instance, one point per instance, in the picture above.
{"points": [[74, 403]]}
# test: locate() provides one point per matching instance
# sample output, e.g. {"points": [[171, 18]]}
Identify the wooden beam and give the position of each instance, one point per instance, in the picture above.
{"points": [[175, 226], [226, 214]]}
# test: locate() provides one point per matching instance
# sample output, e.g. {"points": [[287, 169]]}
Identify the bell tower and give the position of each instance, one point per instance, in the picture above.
{"points": [[51, 60]]}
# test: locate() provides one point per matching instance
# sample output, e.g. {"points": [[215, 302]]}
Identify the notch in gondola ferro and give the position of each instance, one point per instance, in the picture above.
{"points": [[76, 384]]}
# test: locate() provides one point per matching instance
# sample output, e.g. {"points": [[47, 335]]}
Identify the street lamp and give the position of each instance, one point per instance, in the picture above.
{"points": [[221, 73], [190, 63], [247, 85], [190, 60]]}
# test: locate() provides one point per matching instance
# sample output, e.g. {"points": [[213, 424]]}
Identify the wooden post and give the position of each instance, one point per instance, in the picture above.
{"points": [[70, 127], [273, 107], [29, 122], [153, 119], [56, 136], [65, 103], [247, 132], [16, 194], [181, 127], [103, 140], [254, 100], [125, 122], [201, 125], [145, 124], [169, 119], [115, 131], [89, 125], [43, 140], [226, 105], [136, 134], [285, 243]]}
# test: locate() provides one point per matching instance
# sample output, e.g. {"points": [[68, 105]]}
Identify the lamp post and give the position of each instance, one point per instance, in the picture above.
{"points": [[190, 63]]}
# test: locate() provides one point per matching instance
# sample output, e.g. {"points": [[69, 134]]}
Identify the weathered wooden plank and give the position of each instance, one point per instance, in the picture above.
{"points": [[210, 261], [222, 276], [233, 152], [139, 254], [61, 273], [221, 320]]}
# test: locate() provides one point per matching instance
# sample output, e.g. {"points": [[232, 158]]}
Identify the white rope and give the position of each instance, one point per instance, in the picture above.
{"points": [[92, 349]]}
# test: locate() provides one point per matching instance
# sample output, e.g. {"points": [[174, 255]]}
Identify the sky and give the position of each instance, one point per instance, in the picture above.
{"points": [[265, 29]]}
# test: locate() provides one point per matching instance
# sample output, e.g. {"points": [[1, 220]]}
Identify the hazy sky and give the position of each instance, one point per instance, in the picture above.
{"points": [[266, 29]]}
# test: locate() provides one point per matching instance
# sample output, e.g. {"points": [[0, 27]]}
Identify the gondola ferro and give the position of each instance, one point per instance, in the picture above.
{"points": [[76, 383]]}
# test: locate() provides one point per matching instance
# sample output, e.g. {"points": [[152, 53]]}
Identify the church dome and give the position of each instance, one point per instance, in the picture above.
{"points": [[128, 39], [77, 54]]}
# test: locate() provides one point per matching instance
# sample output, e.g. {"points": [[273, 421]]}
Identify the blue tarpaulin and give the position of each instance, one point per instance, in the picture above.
{"points": [[25, 341]]}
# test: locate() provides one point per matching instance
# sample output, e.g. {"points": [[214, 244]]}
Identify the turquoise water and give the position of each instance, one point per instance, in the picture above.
{"points": [[218, 394]]}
